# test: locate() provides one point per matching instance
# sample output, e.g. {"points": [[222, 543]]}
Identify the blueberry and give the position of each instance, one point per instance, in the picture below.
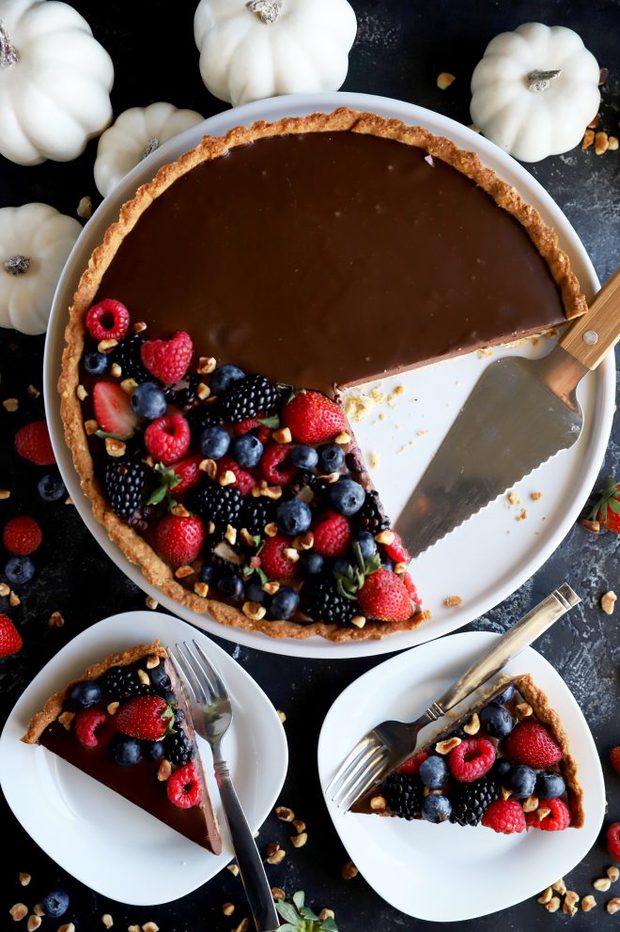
{"points": [[502, 770], [148, 401], [231, 586], [550, 785], [55, 904], [208, 574], [19, 570], [159, 677], [388, 565], [223, 378], [254, 593], [284, 603], [179, 715], [433, 771], [331, 457], [214, 443], [311, 563], [154, 750], [95, 363], [293, 517], [522, 781], [126, 751], [367, 544], [86, 694], [346, 496], [51, 488], [496, 721], [303, 457], [341, 566], [247, 450], [506, 696], [436, 808]]}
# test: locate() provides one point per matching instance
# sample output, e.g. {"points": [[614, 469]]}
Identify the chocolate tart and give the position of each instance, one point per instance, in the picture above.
{"points": [[321, 252], [142, 782]]}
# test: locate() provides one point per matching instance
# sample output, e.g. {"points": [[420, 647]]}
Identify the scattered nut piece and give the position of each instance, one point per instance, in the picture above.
{"points": [[65, 719], [553, 905], [474, 128], [588, 139], [559, 886], [444, 80], [24, 879], [378, 803], [206, 365], [299, 840], [18, 912], [85, 207], [81, 393], [542, 812], [91, 427], [283, 435], [228, 909], [601, 143], [349, 871], [524, 709], [14, 599], [536, 496], [327, 914], [342, 438], [69, 927], [473, 725], [444, 747], [613, 906], [152, 661], [227, 478], [277, 857], [281, 715], [608, 602], [612, 143], [33, 391], [271, 587], [588, 903], [11, 404], [359, 621], [112, 708], [506, 794], [291, 554], [4, 589], [271, 529], [107, 920], [151, 603], [150, 927], [452, 601], [164, 771], [545, 896], [385, 537], [56, 620], [299, 825], [133, 928], [209, 466], [182, 572], [513, 498], [201, 589], [271, 848], [284, 814], [613, 873], [522, 515], [116, 371], [569, 910], [203, 391], [114, 447], [234, 869], [33, 923], [254, 610], [330, 477], [373, 460], [144, 678], [571, 898], [128, 385], [306, 541], [530, 804], [278, 894], [104, 346], [4, 494], [602, 884]]}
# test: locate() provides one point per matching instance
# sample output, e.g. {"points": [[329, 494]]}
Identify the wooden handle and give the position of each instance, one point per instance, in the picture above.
{"points": [[592, 335]]}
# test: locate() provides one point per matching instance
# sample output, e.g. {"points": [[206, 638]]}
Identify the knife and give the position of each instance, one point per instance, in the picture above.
{"points": [[520, 413]]}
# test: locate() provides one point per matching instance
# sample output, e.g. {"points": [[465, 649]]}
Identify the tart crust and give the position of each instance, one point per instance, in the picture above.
{"points": [[132, 545]]}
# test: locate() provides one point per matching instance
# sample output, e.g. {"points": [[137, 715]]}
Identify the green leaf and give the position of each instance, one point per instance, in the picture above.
{"points": [[262, 575], [272, 422], [614, 504], [299, 898], [288, 912], [328, 925], [158, 495], [104, 433], [288, 926], [307, 913]]}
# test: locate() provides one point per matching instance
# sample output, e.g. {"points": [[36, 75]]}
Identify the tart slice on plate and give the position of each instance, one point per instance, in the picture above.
{"points": [[504, 764], [126, 723]]}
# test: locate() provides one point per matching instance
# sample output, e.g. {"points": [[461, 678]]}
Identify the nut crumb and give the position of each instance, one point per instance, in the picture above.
{"points": [[24, 879], [114, 447], [601, 143], [536, 496], [112, 708], [234, 869], [453, 601], [588, 903], [18, 912], [612, 144], [283, 435], [524, 710], [278, 894], [150, 927], [613, 873], [69, 927], [349, 871], [553, 905], [559, 886], [522, 515], [359, 621], [56, 620], [613, 906], [151, 603], [4, 494], [385, 537], [254, 610], [513, 498], [444, 747], [164, 770], [281, 715], [299, 825], [206, 365], [602, 884], [14, 599], [373, 460], [91, 427], [444, 80], [203, 391], [107, 920], [299, 840], [284, 814], [10, 405], [530, 804], [545, 896], [569, 910], [571, 898], [277, 857], [378, 803], [201, 589], [473, 725], [33, 923], [327, 914], [608, 602], [588, 139], [228, 909], [85, 207]]}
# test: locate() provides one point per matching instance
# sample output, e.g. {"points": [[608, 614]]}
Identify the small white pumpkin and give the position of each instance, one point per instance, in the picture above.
{"points": [[134, 135], [55, 81], [535, 91], [262, 48], [35, 241]]}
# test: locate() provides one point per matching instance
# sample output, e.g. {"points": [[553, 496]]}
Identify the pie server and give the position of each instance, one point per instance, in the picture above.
{"points": [[520, 413]]}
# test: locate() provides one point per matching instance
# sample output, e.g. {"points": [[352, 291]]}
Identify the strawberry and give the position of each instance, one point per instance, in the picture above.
{"points": [[613, 840], [410, 586], [332, 535], [245, 480], [107, 320], [384, 597], [614, 756], [313, 418], [93, 727], [556, 821], [607, 509], [10, 638], [148, 718], [183, 787], [271, 465], [21, 536], [274, 562], [412, 765], [178, 540], [168, 360], [167, 438], [32, 441], [113, 410], [188, 472], [505, 816], [530, 743], [396, 551], [471, 759]]}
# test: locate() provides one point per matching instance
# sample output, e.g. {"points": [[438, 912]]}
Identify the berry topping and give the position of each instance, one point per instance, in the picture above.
{"points": [[404, 794], [107, 320], [178, 749], [331, 457], [384, 597], [501, 771], [311, 563], [128, 356], [219, 504], [557, 819], [304, 457], [146, 717], [90, 727], [249, 397], [505, 816], [367, 545], [273, 467], [187, 474], [10, 638], [19, 570], [293, 517], [159, 677], [436, 808], [332, 535], [153, 750], [471, 759], [274, 561], [51, 488], [214, 442], [230, 585], [168, 438], [321, 601], [397, 551], [530, 743], [412, 765], [179, 540], [95, 363], [371, 516], [244, 481], [433, 771], [168, 360], [86, 694], [613, 840], [32, 441], [472, 800], [55, 904], [346, 496], [126, 751], [522, 781], [549, 785], [124, 482], [148, 401], [113, 410], [312, 418], [607, 509], [183, 787], [223, 378], [255, 514], [284, 603], [119, 683], [496, 721], [247, 450], [21, 536]]}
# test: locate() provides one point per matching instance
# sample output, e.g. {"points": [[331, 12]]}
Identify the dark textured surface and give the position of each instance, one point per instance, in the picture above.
{"points": [[401, 47]]}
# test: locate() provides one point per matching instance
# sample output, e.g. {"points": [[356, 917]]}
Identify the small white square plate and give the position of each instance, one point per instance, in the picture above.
{"points": [[446, 873], [109, 844]]}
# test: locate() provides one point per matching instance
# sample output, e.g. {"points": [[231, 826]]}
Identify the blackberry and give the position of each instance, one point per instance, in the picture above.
{"points": [[201, 417], [404, 794], [120, 683], [472, 800], [127, 356], [304, 478], [124, 482], [255, 514], [322, 602], [179, 749], [249, 397], [371, 516], [218, 503], [186, 396]]}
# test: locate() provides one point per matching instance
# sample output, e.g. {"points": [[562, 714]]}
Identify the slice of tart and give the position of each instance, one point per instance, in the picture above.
{"points": [[126, 723], [504, 764]]}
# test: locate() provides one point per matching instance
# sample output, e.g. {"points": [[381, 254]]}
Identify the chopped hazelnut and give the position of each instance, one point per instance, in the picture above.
{"points": [[608, 602], [144, 677], [116, 372], [227, 478], [542, 812], [56, 620], [613, 873], [473, 725], [18, 912], [4, 589], [505, 794], [150, 927], [571, 898], [271, 587], [612, 144], [81, 393], [359, 621], [284, 814], [299, 825], [234, 869], [164, 771], [14, 599], [327, 914], [4, 494], [283, 435], [601, 143], [114, 447], [152, 661], [228, 909], [278, 894], [281, 715], [588, 903], [530, 804], [24, 879], [444, 80], [602, 884], [273, 492], [201, 589], [592, 526], [378, 803], [299, 840], [524, 709], [569, 910], [613, 906], [277, 857], [65, 719], [69, 927], [85, 208], [209, 466], [271, 529], [342, 438], [33, 391], [91, 427], [349, 871], [107, 920], [12, 404], [206, 365], [104, 346], [151, 603], [291, 554], [139, 326], [588, 139], [553, 905], [203, 391], [444, 747], [33, 923], [385, 537], [254, 610], [113, 708], [545, 896], [452, 601]]}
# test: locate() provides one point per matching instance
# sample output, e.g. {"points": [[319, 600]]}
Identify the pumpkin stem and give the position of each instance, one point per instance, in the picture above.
{"points": [[8, 53], [17, 265], [538, 81], [267, 10], [151, 146]]}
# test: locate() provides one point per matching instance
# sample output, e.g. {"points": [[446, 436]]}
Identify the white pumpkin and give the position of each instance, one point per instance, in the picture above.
{"points": [[55, 81], [35, 241], [535, 91], [134, 135], [262, 48]]}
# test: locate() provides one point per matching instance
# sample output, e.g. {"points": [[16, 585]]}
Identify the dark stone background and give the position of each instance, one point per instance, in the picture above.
{"points": [[400, 49]]}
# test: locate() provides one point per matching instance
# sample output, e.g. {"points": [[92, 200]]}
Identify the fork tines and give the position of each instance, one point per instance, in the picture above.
{"points": [[201, 677], [361, 769]]}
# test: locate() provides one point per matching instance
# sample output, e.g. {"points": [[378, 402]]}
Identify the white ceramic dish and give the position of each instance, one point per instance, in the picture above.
{"points": [[409, 863], [488, 557], [102, 839]]}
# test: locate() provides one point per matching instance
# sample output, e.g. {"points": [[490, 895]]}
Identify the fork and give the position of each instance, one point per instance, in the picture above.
{"points": [[212, 714], [390, 743]]}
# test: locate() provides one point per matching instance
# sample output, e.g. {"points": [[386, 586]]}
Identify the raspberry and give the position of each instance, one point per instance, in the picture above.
{"points": [[505, 816], [410, 586], [274, 562], [22, 536], [107, 320], [471, 759], [613, 840], [396, 551], [168, 360], [168, 438], [244, 427], [245, 480], [557, 820], [183, 787], [271, 465], [332, 535], [614, 756], [90, 728], [178, 540], [412, 765], [32, 441], [530, 743]]}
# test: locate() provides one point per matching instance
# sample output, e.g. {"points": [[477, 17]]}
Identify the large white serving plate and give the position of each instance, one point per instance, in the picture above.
{"points": [[488, 557], [102, 839], [447, 873]]}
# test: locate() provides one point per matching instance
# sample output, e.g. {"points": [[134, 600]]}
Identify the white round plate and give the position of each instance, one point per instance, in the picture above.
{"points": [[410, 863], [131, 856], [488, 557]]}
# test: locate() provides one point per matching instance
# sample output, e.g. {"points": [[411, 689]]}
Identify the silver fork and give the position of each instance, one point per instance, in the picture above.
{"points": [[389, 744], [212, 714]]}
